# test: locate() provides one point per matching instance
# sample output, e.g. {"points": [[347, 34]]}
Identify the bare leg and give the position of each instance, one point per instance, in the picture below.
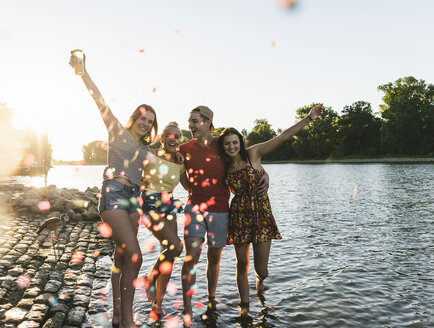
{"points": [[168, 237], [124, 235], [212, 273], [116, 277], [243, 261], [193, 248], [261, 252]]}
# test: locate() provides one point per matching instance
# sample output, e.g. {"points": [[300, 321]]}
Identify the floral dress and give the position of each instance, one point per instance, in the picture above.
{"points": [[250, 217]]}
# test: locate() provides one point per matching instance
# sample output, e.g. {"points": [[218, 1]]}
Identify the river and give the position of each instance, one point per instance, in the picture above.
{"points": [[357, 249]]}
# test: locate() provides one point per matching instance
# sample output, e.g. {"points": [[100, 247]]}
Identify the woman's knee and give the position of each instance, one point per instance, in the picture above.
{"points": [[242, 266], [133, 259], [177, 248]]}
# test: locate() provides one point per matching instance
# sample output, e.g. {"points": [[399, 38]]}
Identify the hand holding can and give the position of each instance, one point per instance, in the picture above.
{"points": [[78, 61]]}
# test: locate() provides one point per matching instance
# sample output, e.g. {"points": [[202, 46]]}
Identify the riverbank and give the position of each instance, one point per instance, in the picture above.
{"points": [[380, 160], [46, 282]]}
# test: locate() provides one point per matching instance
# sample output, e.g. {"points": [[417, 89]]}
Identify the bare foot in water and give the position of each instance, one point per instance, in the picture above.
{"points": [[150, 289], [158, 310]]}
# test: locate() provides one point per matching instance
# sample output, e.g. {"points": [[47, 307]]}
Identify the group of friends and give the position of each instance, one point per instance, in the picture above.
{"points": [[138, 187]]}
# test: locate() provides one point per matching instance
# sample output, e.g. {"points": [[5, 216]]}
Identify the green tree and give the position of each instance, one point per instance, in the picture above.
{"points": [[359, 130], [319, 138], [408, 113], [95, 153], [261, 132]]}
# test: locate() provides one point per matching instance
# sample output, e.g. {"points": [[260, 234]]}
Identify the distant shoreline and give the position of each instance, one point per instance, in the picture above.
{"points": [[382, 160]]}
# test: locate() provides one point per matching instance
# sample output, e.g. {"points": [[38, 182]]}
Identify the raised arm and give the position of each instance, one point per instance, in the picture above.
{"points": [[263, 148], [104, 109]]}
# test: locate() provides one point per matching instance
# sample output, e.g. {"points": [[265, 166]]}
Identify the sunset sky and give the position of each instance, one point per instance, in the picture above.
{"points": [[245, 59]]}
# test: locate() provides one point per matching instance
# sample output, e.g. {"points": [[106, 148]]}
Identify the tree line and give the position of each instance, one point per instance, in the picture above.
{"points": [[404, 126]]}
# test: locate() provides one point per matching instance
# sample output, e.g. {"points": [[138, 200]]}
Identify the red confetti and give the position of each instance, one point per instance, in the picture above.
{"points": [[153, 315], [198, 305], [203, 207], [165, 267], [76, 257], [104, 229], [140, 200], [135, 258], [190, 292], [211, 201], [142, 50], [154, 89], [165, 197]]}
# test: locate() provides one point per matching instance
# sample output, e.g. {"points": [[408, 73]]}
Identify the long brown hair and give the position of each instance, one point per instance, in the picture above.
{"points": [[243, 151], [148, 138]]}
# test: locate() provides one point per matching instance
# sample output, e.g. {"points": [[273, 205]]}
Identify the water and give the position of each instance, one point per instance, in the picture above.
{"points": [[357, 249]]}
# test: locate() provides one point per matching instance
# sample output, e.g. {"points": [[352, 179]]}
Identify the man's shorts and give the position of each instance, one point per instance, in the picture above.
{"points": [[213, 225], [118, 196]]}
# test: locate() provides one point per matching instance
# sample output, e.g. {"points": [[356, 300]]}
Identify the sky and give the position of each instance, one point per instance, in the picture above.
{"points": [[245, 59]]}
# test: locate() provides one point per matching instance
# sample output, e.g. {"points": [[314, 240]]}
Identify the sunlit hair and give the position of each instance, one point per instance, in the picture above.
{"points": [[170, 125], [243, 151], [142, 109]]}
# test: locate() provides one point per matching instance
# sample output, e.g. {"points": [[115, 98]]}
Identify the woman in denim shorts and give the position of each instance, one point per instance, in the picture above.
{"points": [[161, 175], [119, 206]]}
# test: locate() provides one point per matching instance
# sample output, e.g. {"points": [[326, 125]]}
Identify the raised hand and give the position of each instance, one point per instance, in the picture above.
{"points": [[316, 112]]}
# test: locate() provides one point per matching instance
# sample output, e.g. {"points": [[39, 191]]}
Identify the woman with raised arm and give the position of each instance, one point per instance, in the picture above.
{"points": [[118, 206], [161, 175], [250, 218]]}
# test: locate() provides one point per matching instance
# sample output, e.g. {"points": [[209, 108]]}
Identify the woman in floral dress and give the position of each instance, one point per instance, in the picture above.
{"points": [[250, 218]]}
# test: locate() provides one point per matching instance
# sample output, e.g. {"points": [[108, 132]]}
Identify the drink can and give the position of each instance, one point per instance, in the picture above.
{"points": [[79, 64]]}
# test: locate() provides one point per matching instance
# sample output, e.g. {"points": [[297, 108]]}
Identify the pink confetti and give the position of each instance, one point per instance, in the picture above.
{"points": [[171, 322], [44, 205], [171, 288], [23, 281], [154, 89], [142, 50]]}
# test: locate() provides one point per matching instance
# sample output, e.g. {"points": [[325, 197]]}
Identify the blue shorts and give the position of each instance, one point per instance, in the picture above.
{"points": [[118, 196], [152, 201], [213, 225]]}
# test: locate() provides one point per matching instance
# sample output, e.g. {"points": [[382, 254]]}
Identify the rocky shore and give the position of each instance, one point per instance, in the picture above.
{"points": [[44, 281]]}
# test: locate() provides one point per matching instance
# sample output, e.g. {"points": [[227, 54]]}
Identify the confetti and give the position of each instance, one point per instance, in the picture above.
{"points": [[23, 281], [44, 205], [104, 229], [171, 288], [76, 257], [165, 267]]}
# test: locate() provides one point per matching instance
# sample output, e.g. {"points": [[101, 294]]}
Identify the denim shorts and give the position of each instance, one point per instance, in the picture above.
{"points": [[152, 201], [118, 196], [199, 223]]}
